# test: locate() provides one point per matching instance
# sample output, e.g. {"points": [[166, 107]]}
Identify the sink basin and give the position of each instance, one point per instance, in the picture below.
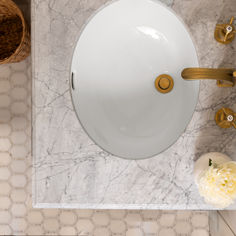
{"points": [[121, 51]]}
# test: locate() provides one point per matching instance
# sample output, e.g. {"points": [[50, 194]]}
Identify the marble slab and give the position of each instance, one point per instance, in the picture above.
{"points": [[69, 169]]}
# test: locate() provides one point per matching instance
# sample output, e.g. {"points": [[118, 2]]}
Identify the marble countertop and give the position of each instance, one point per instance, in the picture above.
{"points": [[69, 169]]}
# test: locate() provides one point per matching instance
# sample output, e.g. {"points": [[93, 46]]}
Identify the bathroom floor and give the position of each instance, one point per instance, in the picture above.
{"points": [[16, 213]]}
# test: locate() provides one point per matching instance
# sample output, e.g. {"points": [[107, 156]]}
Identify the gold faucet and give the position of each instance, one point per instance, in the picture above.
{"points": [[224, 33], [224, 77]]}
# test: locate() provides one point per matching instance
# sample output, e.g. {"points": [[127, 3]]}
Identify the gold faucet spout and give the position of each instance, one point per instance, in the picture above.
{"points": [[224, 77]]}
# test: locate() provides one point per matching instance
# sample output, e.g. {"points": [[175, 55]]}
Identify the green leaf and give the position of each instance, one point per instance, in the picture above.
{"points": [[210, 162]]}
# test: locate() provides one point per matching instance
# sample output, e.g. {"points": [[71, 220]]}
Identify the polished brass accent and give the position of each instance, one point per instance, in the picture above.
{"points": [[225, 33], [224, 77], [164, 83], [225, 118]]}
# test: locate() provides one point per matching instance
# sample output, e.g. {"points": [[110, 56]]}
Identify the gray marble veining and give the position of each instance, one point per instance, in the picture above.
{"points": [[69, 169]]}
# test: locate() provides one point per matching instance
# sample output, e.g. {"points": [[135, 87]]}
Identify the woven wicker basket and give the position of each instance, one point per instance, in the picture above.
{"points": [[8, 9]]}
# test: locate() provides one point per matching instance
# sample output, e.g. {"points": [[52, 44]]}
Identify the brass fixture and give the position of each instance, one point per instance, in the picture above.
{"points": [[224, 77], [164, 83], [225, 33], [225, 118]]}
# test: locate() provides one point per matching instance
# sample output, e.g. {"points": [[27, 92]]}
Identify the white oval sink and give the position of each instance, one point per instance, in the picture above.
{"points": [[119, 54]]}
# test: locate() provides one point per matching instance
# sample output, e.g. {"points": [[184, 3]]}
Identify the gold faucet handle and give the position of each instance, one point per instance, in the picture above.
{"points": [[225, 33], [225, 118]]}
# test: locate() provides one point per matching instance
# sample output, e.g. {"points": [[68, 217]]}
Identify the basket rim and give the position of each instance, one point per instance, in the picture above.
{"points": [[24, 30]]}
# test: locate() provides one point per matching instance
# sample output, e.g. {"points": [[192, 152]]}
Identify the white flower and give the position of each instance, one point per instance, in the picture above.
{"points": [[217, 184]]}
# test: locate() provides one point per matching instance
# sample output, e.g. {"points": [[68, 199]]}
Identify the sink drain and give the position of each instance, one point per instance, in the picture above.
{"points": [[164, 83]]}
